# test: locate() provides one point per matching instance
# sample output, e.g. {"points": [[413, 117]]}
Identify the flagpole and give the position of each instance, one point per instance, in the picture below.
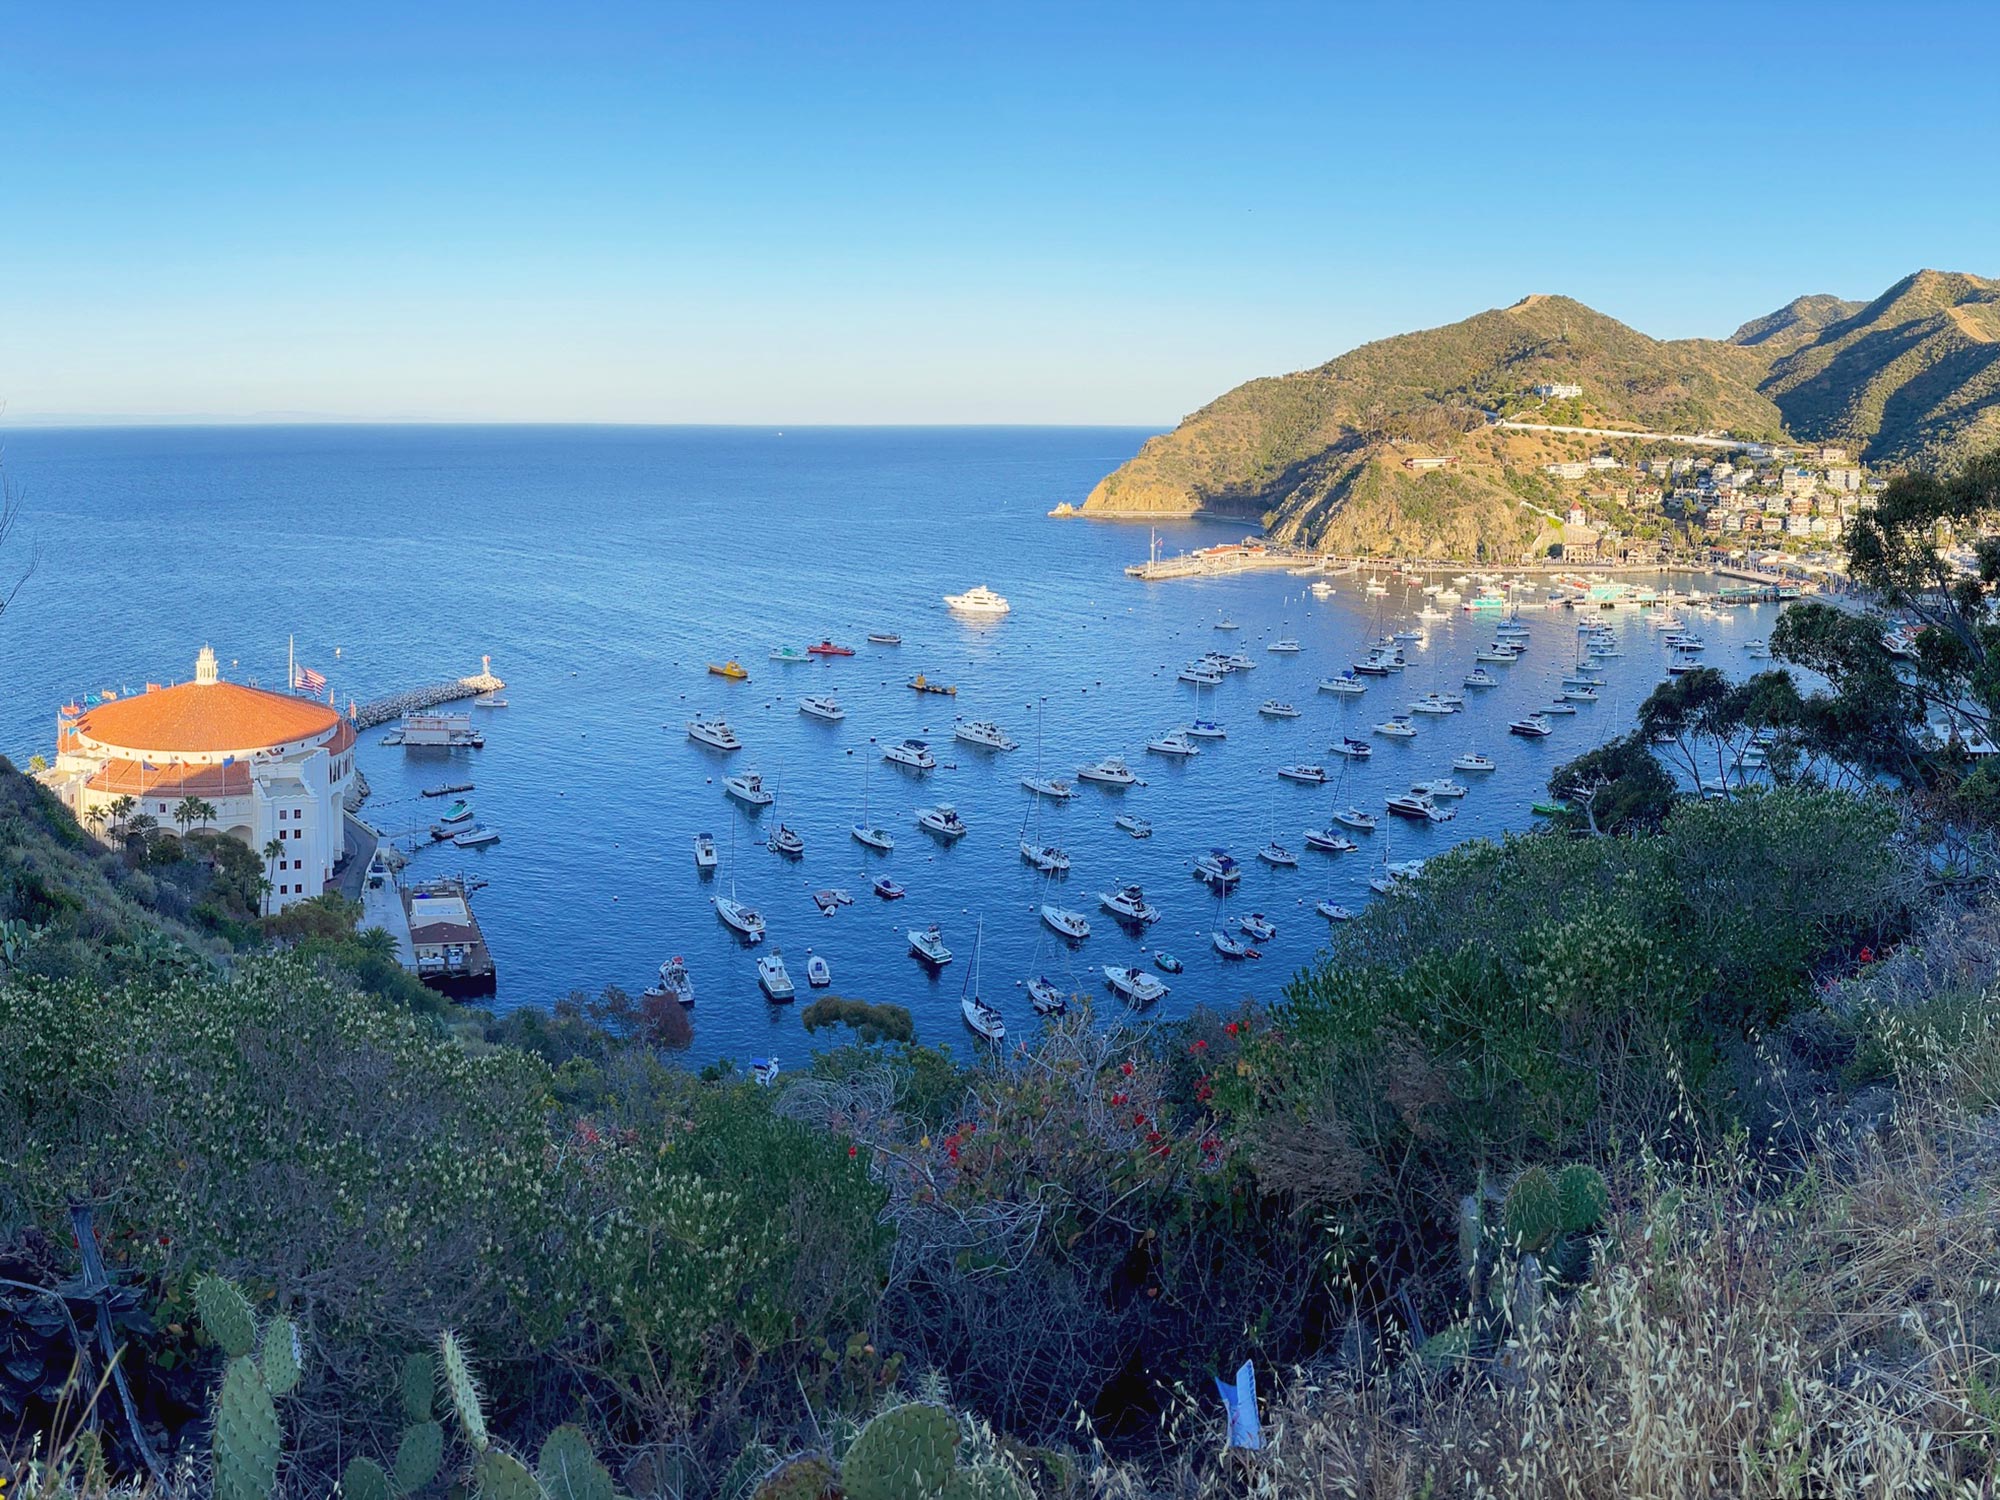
{"points": [[291, 665]]}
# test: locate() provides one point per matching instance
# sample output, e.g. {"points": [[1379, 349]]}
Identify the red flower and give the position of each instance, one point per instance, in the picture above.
{"points": [[1139, 1117], [1126, 1069], [1201, 1045], [851, 1151], [1232, 1027]]}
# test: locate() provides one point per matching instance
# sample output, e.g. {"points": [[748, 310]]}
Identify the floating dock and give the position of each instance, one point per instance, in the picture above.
{"points": [[451, 953]]}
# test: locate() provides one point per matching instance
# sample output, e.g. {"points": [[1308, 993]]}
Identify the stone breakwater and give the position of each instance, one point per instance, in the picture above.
{"points": [[416, 700]]}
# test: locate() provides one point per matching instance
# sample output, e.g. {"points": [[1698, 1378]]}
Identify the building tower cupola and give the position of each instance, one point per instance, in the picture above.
{"points": [[204, 666]]}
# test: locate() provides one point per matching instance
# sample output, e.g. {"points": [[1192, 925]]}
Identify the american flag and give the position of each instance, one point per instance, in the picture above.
{"points": [[306, 677]]}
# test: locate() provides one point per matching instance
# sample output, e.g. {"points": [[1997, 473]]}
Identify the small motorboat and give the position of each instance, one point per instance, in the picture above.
{"points": [[1431, 703], [1346, 682], [1073, 925], [1277, 855], [1173, 742], [1225, 623], [748, 788], [1534, 726], [1129, 904], [1472, 760], [1397, 728], [1329, 840], [713, 730], [942, 820], [733, 670], [927, 943], [764, 1071], [1166, 963], [1418, 808], [887, 888], [1201, 674], [1439, 786], [674, 983], [874, 838], [1479, 677], [1333, 911], [1046, 996], [1047, 858], [773, 978], [1218, 870], [459, 812], [741, 917], [1352, 748], [1137, 826], [1354, 817], [786, 840], [986, 1023], [1580, 694], [1309, 774], [704, 852], [1558, 707], [985, 733], [1275, 708], [1111, 771], [1256, 928], [819, 973], [1133, 984], [1498, 653], [476, 838], [789, 654], [827, 648], [885, 638], [822, 706], [923, 684], [1236, 661], [912, 753], [1228, 944], [1053, 787], [1205, 729]]}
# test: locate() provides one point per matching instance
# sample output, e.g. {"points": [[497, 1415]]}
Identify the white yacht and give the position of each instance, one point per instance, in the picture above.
{"points": [[1278, 856], [1330, 841], [1206, 729], [1354, 817], [1479, 677], [773, 978], [912, 753], [978, 600], [1312, 775], [1533, 727], [748, 788], [1256, 928], [741, 916], [942, 820], [1580, 694], [1173, 742], [1397, 728], [1333, 911], [1431, 703], [1047, 858], [476, 838], [1137, 826], [1352, 748], [1052, 787], [1416, 806], [1111, 771], [1218, 869], [1346, 682], [1129, 904], [1439, 786], [1498, 652], [1284, 646], [984, 732], [1070, 924], [1046, 996], [1201, 674], [822, 706], [1236, 661], [674, 983], [713, 730], [927, 943], [1472, 760], [1273, 708], [985, 1021], [1134, 984], [704, 852], [1558, 707]]}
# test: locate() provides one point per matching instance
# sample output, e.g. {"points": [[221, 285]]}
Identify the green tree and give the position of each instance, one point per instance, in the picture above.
{"points": [[1620, 787]]}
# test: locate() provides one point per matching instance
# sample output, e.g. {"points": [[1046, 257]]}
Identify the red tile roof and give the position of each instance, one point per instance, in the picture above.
{"points": [[195, 718]]}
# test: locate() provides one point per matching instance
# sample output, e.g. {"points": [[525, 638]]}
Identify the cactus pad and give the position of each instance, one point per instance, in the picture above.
{"points": [[419, 1388], [907, 1453], [1532, 1214], [247, 1442], [418, 1456], [226, 1315], [363, 1479], [500, 1476], [568, 1470], [1581, 1198], [283, 1359], [797, 1479], [461, 1389]]}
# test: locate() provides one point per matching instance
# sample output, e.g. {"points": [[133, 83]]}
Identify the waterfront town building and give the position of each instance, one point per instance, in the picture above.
{"points": [[275, 768]]}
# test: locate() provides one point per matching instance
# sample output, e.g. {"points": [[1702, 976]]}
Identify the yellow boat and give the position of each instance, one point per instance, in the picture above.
{"points": [[924, 685], [730, 669]]}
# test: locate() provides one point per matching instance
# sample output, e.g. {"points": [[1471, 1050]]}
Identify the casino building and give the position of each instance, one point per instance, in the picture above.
{"points": [[275, 767]]}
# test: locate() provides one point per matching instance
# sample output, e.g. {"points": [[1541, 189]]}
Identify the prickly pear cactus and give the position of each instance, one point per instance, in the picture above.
{"points": [[906, 1453], [363, 1479], [1581, 1199], [246, 1442], [500, 1476], [739, 1481], [226, 1315], [283, 1358], [984, 1482], [418, 1456], [1532, 1213], [461, 1389], [568, 1470], [797, 1479], [419, 1388]]}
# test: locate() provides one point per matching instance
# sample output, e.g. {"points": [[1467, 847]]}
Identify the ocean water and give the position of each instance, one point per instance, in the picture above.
{"points": [[602, 569]]}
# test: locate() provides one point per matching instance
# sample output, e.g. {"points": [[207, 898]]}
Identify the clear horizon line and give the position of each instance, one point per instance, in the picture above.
{"points": [[83, 422]]}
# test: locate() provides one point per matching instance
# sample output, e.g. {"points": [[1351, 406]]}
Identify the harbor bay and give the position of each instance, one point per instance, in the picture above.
{"points": [[604, 570]]}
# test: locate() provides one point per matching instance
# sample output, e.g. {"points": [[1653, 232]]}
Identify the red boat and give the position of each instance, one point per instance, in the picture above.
{"points": [[827, 648]]}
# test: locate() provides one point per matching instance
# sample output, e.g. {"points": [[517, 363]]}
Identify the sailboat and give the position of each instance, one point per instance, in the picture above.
{"points": [[1040, 785], [986, 1022], [1047, 858], [865, 832], [739, 916]]}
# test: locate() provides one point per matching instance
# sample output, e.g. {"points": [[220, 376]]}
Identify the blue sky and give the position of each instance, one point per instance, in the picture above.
{"points": [[926, 213]]}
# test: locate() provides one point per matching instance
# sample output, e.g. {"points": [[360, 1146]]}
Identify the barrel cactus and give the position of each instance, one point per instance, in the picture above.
{"points": [[363, 1479], [247, 1442], [1532, 1213], [906, 1453]]}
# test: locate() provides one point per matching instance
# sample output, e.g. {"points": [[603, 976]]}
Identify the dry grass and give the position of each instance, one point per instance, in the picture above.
{"points": [[1827, 1335]]}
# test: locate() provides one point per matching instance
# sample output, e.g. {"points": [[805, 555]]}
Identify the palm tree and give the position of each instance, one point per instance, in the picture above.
{"points": [[141, 824], [378, 941], [94, 818], [121, 809], [186, 810], [273, 852], [205, 810]]}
